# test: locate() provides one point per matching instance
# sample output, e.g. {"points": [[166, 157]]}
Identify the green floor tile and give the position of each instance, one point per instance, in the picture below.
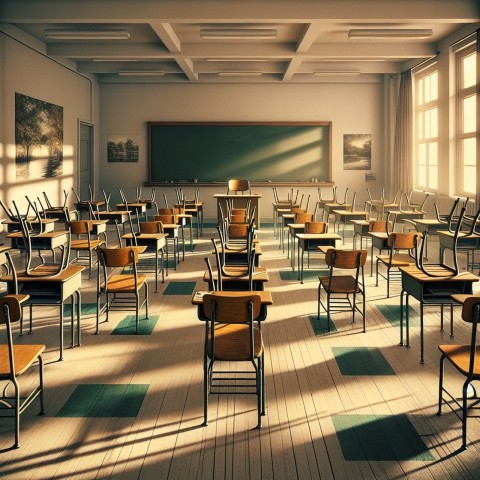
{"points": [[319, 325], [379, 438], [308, 275], [87, 309], [98, 400], [361, 361], [145, 326], [180, 288], [392, 314]]}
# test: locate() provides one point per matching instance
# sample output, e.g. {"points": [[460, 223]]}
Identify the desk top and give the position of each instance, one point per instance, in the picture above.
{"points": [[418, 275], [318, 236], [31, 220], [266, 296], [145, 236], [259, 275], [229, 195], [42, 275], [54, 234]]}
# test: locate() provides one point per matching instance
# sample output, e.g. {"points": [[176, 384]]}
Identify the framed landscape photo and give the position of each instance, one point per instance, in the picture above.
{"points": [[357, 151], [122, 148]]}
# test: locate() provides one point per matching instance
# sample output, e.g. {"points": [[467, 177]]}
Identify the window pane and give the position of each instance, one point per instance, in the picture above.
{"points": [[469, 151], [422, 155], [428, 124], [419, 92], [432, 177], [421, 121], [422, 176], [469, 114], [434, 86], [434, 122], [469, 179], [469, 70], [433, 153]]}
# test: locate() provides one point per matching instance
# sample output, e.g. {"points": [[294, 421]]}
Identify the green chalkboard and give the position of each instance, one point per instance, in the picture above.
{"points": [[278, 152]]}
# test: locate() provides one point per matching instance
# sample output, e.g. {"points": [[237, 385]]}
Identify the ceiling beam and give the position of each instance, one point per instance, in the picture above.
{"points": [[167, 36], [308, 37], [144, 11], [292, 69], [186, 65]]}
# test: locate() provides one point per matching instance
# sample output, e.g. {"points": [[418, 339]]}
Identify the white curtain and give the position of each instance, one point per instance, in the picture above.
{"points": [[403, 145]]}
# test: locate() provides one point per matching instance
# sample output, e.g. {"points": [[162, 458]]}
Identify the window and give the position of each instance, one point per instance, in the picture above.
{"points": [[466, 121], [427, 129]]}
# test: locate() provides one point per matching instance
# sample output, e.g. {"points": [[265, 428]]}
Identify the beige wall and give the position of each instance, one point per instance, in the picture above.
{"points": [[27, 71], [351, 107]]}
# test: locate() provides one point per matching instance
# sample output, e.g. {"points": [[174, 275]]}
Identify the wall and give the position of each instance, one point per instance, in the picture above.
{"points": [[25, 70], [352, 107]]}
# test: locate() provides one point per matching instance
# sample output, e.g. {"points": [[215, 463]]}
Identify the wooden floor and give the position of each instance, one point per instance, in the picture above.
{"points": [[305, 390]]}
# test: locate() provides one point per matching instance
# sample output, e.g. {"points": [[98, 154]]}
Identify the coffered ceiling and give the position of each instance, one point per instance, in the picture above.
{"points": [[239, 41]]}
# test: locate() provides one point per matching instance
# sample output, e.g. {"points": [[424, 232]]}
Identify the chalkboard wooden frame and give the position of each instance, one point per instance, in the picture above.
{"points": [[156, 130]]}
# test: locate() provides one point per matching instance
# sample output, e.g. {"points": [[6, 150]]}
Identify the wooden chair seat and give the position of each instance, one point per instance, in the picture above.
{"points": [[82, 244], [25, 356], [340, 284], [124, 283], [232, 342], [459, 355], [399, 260]]}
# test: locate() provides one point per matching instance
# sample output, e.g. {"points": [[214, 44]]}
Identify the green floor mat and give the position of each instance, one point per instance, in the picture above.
{"points": [[180, 288], [392, 314], [127, 325], [87, 309], [99, 400], [308, 275], [361, 361], [319, 325], [379, 438]]}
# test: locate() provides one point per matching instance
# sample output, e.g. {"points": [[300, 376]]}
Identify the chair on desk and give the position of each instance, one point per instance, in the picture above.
{"points": [[236, 186], [16, 360], [340, 287], [233, 334], [402, 253], [83, 241], [122, 287], [465, 359], [170, 226]]}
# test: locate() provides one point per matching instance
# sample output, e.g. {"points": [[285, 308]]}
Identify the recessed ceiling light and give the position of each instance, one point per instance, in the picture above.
{"points": [[240, 74], [234, 59], [332, 73], [145, 73], [114, 59], [238, 34], [353, 59], [87, 34], [412, 33]]}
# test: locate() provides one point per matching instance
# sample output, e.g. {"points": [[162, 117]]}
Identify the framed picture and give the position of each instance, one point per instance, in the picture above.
{"points": [[122, 148], [38, 138], [357, 151]]}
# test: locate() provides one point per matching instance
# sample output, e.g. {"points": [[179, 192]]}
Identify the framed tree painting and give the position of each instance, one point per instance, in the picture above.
{"points": [[357, 151], [38, 138], [122, 148]]}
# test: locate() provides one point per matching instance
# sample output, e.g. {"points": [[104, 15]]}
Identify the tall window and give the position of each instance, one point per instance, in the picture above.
{"points": [[426, 94], [467, 121]]}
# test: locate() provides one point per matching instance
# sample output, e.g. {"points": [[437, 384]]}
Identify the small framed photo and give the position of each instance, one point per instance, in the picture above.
{"points": [[122, 148], [357, 151]]}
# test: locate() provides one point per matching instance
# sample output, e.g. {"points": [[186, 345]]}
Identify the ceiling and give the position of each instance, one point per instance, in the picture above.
{"points": [[281, 41]]}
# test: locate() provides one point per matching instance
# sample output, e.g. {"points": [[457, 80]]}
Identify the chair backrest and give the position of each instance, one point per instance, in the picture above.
{"points": [[404, 240], [171, 219], [151, 227], [316, 227], [380, 226], [215, 285], [303, 217], [236, 185], [229, 307], [165, 211], [80, 227], [118, 257], [10, 312], [345, 259]]}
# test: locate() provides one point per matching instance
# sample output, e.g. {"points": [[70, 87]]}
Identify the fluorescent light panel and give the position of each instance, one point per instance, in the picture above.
{"points": [[332, 73], [87, 34], [114, 59], [412, 33], [145, 73], [238, 34], [240, 74], [233, 59]]}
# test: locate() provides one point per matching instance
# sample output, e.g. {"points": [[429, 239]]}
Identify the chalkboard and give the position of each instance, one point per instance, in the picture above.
{"points": [[277, 152]]}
